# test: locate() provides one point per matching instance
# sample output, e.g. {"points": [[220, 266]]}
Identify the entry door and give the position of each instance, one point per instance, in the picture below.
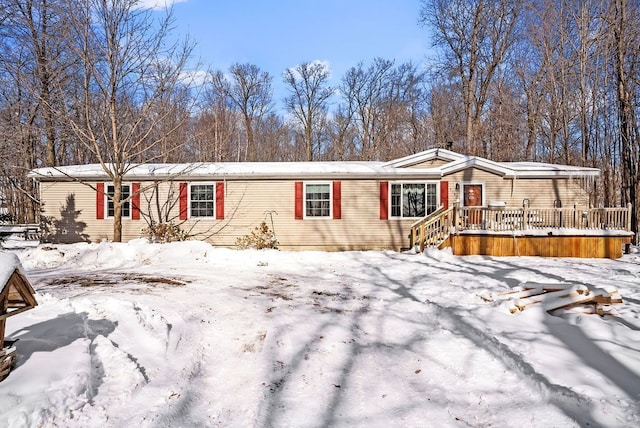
{"points": [[473, 198]]}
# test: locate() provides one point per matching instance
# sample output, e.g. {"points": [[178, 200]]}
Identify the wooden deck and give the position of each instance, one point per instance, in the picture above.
{"points": [[545, 232], [544, 246]]}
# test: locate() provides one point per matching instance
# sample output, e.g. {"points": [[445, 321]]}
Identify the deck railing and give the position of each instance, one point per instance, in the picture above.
{"points": [[527, 218], [432, 229]]}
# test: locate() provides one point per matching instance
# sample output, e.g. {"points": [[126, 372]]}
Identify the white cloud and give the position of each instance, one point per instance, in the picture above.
{"points": [[159, 4], [326, 66], [195, 77]]}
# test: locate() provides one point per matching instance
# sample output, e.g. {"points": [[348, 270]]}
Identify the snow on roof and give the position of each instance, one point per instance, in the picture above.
{"points": [[9, 262], [256, 170], [539, 168], [319, 170]]}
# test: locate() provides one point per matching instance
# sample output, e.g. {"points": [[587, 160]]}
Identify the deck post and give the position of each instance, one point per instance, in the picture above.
{"points": [[414, 236], [456, 215]]}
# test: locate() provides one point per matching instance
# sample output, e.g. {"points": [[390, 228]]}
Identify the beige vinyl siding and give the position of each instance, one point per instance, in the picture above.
{"points": [[248, 203], [433, 163], [55, 198], [541, 192], [544, 192]]}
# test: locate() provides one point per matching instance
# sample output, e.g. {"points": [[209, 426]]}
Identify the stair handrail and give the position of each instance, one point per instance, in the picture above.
{"points": [[438, 233]]}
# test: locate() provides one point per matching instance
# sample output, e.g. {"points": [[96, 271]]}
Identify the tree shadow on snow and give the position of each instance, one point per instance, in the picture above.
{"points": [[382, 274], [571, 403], [593, 356], [344, 332]]}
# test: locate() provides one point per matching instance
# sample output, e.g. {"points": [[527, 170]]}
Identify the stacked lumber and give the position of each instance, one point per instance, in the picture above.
{"points": [[560, 296], [7, 360]]}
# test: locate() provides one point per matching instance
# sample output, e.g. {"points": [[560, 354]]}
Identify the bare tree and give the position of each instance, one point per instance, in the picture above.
{"points": [[308, 99], [447, 115], [215, 129], [41, 27], [19, 138], [119, 46], [34, 66], [386, 105], [624, 21], [342, 134], [275, 140], [474, 37], [364, 89], [249, 91], [504, 126]]}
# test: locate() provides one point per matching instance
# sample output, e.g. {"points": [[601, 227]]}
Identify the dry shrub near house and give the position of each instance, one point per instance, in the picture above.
{"points": [[260, 238], [164, 232]]}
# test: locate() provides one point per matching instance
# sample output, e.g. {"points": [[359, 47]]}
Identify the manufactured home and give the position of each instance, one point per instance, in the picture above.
{"points": [[310, 205]]}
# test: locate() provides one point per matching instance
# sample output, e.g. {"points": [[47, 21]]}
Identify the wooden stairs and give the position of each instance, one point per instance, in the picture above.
{"points": [[432, 230]]}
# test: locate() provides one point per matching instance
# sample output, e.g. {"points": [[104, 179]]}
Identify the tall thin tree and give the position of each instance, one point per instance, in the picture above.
{"points": [[309, 95], [118, 45]]}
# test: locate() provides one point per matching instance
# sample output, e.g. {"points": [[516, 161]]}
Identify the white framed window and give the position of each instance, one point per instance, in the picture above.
{"points": [[317, 200], [125, 192], [202, 200], [413, 199]]}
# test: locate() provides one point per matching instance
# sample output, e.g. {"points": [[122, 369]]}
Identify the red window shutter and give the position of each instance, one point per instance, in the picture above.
{"points": [[444, 194], [384, 200], [298, 200], [100, 201], [135, 201], [220, 200], [337, 200], [183, 201]]}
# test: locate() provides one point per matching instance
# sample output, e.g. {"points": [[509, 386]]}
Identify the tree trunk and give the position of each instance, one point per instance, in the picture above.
{"points": [[117, 209]]}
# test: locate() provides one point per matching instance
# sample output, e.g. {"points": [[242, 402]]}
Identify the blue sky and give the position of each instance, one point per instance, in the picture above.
{"points": [[277, 34]]}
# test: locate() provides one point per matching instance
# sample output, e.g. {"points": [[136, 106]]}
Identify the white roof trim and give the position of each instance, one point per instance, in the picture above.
{"points": [[427, 155], [460, 162], [481, 163]]}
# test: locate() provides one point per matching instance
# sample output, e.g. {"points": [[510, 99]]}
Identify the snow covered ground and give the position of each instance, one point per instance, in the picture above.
{"points": [[187, 335]]}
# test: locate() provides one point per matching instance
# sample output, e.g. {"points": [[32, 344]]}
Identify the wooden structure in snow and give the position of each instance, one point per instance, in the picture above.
{"points": [[16, 296], [28, 231], [560, 296]]}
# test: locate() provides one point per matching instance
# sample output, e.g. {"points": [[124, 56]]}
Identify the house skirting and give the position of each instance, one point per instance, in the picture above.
{"points": [[543, 246]]}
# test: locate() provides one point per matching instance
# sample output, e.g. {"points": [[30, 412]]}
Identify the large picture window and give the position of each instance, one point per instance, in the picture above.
{"points": [[125, 192], [202, 200], [317, 199], [413, 200]]}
